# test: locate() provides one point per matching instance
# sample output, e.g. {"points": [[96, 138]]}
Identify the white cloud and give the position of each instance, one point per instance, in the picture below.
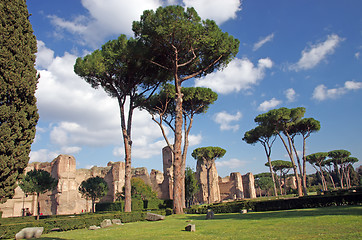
{"points": [[267, 105], [290, 94], [111, 17], [352, 85], [219, 11], [263, 41], [106, 18], [225, 119], [312, 56], [357, 55], [321, 92], [79, 115], [44, 56], [232, 163], [195, 139], [241, 74], [71, 150], [42, 155]]}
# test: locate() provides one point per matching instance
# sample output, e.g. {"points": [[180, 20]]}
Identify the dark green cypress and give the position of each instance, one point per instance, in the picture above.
{"points": [[18, 80]]}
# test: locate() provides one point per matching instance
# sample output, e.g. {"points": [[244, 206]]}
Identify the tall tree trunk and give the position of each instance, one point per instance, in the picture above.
{"points": [[37, 206], [126, 133], [127, 178], [184, 154], [177, 165], [268, 152], [324, 182], [304, 183], [304, 175], [290, 153]]}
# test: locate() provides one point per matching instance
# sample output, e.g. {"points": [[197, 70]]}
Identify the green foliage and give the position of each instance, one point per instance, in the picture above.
{"points": [[208, 154], [18, 79], [280, 165], [306, 126], [141, 190], [110, 206], [196, 100], [264, 181], [339, 156], [185, 47], [317, 158], [309, 202], [343, 198], [201, 45], [37, 182], [227, 207], [261, 133], [8, 228], [93, 188], [191, 185]]}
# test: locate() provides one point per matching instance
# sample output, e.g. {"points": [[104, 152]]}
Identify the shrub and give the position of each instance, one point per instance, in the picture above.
{"points": [[9, 228], [354, 198], [110, 206], [168, 203]]}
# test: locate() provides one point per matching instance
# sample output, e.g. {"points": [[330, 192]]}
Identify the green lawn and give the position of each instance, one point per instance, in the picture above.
{"points": [[318, 223]]}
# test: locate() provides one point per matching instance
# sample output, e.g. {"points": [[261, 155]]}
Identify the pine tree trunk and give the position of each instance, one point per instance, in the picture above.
{"points": [[127, 179], [290, 153], [177, 165]]}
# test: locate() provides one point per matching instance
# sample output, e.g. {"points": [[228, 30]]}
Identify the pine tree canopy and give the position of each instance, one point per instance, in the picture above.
{"points": [[18, 79]]}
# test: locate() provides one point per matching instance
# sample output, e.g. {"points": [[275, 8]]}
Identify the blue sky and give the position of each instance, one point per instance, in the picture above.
{"points": [[292, 54]]}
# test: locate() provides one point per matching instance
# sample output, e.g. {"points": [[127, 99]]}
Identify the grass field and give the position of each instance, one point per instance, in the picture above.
{"points": [[318, 223]]}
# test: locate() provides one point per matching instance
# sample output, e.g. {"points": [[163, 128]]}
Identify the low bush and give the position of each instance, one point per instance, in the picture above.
{"points": [[228, 207], [137, 205], [9, 228], [110, 206], [347, 198], [309, 202]]}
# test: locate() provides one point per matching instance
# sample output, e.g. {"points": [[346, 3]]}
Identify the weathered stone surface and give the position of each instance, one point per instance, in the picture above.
{"points": [[67, 200], [249, 186], [30, 232], [154, 217], [157, 179], [94, 227], [209, 188], [167, 185], [190, 228], [106, 223], [231, 187], [117, 222], [142, 173], [210, 214]]}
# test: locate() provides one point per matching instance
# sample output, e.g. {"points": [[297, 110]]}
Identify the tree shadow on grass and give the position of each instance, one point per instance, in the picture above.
{"points": [[327, 211]]}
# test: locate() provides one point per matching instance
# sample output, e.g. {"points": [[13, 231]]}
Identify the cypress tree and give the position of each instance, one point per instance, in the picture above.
{"points": [[18, 79]]}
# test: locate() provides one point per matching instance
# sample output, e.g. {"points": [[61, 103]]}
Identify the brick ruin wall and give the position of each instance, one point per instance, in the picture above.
{"points": [[66, 199]]}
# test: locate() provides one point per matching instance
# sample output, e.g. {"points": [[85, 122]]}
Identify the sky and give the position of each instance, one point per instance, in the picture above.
{"points": [[291, 54]]}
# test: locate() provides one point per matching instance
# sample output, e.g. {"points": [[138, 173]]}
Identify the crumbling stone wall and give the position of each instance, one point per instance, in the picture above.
{"points": [[66, 199], [249, 185], [231, 187], [209, 183]]}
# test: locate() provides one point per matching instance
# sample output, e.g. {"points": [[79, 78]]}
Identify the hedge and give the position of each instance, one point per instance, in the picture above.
{"points": [[137, 205], [309, 202], [354, 198], [9, 228]]}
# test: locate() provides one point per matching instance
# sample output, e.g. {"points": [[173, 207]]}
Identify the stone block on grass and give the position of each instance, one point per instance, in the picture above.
{"points": [[29, 232], [190, 228], [106, 223], [154, 217]]}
